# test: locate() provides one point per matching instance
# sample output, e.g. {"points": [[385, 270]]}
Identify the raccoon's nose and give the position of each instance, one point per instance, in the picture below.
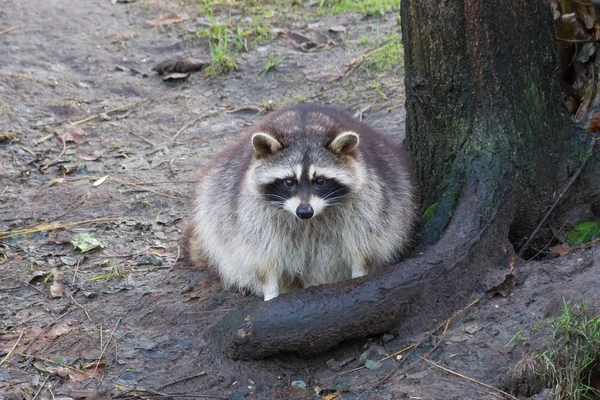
{"points": [[304, 211]]}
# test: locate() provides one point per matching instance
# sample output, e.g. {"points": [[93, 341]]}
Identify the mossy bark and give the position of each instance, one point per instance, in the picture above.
{"points": [[484, 107], [491, 145]]}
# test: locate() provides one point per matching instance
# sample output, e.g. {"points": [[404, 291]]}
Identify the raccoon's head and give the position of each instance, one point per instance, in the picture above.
{"points": [[306, 175]]}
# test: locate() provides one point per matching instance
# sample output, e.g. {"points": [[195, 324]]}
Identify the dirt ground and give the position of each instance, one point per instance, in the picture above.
{"points": [[131, 319]]}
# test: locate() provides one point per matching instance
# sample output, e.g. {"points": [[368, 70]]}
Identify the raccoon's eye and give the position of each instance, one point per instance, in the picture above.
{"points": [[288, 182], [320, 181]]}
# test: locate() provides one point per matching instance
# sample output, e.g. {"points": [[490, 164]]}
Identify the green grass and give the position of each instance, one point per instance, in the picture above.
{"points": [[108, 274], [270, 63], [367, 8], [386, 57], [569, 360], [227, 36], [221, 55]]}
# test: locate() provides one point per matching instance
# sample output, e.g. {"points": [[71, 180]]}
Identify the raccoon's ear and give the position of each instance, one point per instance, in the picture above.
{"points": [[265, 144], [345, 142]]}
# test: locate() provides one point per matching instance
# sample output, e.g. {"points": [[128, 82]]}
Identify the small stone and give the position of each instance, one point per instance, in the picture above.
{"points": [[299, 384], [387, 338], [372, 364]]}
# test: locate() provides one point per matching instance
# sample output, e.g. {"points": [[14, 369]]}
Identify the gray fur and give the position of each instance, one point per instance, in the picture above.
{"points": [[257, 245]]}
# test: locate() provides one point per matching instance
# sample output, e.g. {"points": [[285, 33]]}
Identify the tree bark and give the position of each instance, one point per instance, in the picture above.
{"points": [[491, 144]]}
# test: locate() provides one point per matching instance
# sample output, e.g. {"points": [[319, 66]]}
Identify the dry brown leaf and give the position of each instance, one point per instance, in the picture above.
{"points": [[72, 134], [88, 158], [562, 250], [586, 15], [172, 18]]}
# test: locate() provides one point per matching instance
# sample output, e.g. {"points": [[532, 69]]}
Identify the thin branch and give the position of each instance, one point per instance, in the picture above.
{"points": [[495, 389], [12, 349], [145, 188], [192, 122], [14, 28], [558, 199], [55, 160]]}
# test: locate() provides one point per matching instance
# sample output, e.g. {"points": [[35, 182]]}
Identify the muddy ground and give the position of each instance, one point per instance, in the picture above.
{"points": [[131, 319]]}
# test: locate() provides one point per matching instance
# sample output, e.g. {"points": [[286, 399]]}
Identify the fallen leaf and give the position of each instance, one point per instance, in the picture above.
{"points": [[595, 122], [72, 134], [583, 233], [86, 242], [56, 290], [562, 250], [472, 328], [100, 181], [172, 18], [88, 158], [67, 169]]}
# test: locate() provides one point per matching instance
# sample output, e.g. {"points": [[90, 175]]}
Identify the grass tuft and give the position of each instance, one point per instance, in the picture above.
{"points": [[570, 360], [367, 8]]}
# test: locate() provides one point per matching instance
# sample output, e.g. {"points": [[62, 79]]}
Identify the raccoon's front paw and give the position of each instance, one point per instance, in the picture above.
{"points": [[271, 289], [358, 271]]}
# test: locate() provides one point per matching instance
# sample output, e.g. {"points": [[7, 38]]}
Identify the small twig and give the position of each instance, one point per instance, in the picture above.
{"points": [[47, 228], [172, 265], [12, 349], [26, 77], [187, 378], [576, 40], [206, 138], [80, 306], [164, 182], [135, 393], [469, 379], [192, 122], [145, 188], [210, 311], [549, 242], [50, 389], [55, 160], [103, 349], [76, 269], [13, 28], [558, 199], [143, 138], [122, 108], [41, 387], [412, 346], [4, 191]]}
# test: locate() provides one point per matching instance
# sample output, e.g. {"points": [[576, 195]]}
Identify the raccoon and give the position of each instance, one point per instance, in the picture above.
{"points": [[309, 196]]}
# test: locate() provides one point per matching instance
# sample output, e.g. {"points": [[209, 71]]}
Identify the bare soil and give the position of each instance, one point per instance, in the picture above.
{"points": [[133, 318]]}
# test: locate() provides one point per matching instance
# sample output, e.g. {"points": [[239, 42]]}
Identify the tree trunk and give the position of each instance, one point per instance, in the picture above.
{"points": [[492, 146]]}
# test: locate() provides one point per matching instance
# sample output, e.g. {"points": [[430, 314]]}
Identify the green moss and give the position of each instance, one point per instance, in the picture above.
{"points": [[429, 212]]}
